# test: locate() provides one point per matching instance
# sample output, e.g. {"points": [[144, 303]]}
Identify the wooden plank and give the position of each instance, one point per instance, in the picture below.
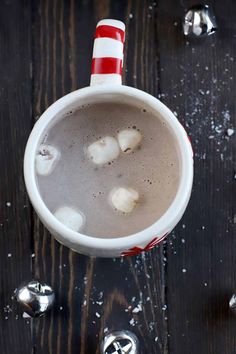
{"points": [[198, 82], [15, 212], [63, 39]]}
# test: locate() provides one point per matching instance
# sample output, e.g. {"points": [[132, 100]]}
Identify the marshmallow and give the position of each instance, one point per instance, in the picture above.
{"points": [[124, 199], [70, 217], [46, 159], [103, 150], [129, 139]]}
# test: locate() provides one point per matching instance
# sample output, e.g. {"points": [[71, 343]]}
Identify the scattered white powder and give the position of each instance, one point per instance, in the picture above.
{"points": [[137, 309], [7, 309], [100, 295], [25, 315], [230, 132], [151, 326], [132, 322]]}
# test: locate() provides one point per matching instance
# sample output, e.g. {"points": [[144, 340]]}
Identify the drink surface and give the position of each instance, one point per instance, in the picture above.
{"points": [[152, 169]]}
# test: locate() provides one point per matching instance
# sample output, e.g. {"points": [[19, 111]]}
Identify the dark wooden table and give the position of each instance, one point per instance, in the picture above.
{"points": [[185, 283]]}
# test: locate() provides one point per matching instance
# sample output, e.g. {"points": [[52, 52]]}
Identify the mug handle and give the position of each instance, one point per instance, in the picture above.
{"points": [[108, 48]]}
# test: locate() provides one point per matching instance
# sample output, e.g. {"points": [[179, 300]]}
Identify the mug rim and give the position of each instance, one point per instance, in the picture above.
{"points": [[162, 226]]}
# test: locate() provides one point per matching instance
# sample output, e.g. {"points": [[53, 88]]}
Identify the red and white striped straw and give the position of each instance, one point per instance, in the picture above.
{"points": [[108, 50]]}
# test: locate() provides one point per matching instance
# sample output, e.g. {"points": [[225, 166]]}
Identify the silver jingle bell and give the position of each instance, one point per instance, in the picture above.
{"points": [[35, 298], [199, 21], [232, 303], [120, 342]]}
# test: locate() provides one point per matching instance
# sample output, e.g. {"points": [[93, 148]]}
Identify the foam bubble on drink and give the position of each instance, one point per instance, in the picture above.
{"points": [[103, 150], [70, 217], [46, 159], [124, 199], [129, 139]]}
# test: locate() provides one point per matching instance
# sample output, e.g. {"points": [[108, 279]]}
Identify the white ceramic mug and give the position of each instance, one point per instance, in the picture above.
{"points": [[106, 86]]}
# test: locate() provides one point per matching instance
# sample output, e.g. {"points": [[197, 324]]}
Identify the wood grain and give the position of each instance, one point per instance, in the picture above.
{"points": [[198, 82], [15, 214]]}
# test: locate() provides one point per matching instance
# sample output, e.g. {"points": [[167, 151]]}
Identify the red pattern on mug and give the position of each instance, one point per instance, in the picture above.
{"points": [[106, 66], [108, 52], [136, 250], [104, 31], [190, 143]]}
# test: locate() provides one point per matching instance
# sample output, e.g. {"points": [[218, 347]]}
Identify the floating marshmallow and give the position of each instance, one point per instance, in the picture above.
{"points": [[129, 139], [46, 159], [124, 199], [103, 150], [70, 217]]}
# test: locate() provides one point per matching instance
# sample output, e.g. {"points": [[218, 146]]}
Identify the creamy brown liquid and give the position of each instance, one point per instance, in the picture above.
{"points": [[153, 169]]}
